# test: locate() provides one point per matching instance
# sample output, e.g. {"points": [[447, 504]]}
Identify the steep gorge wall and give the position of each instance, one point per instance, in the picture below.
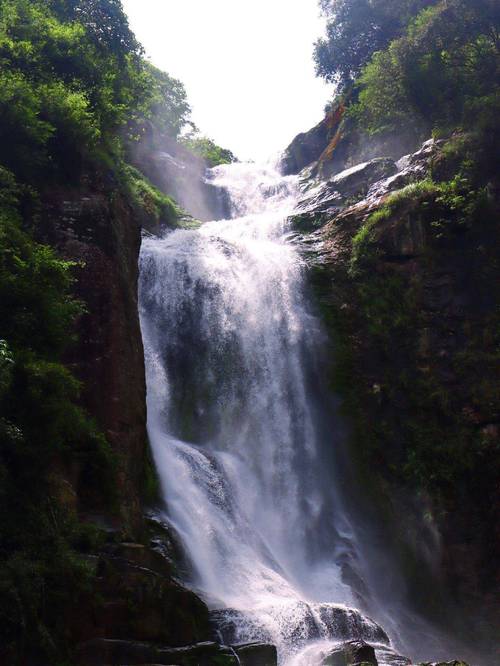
{"points": [[406, 288], [94, 225], [132, 594]]}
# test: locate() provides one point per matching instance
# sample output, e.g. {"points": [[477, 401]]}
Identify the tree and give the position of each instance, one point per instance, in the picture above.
{"points": [[209, 150], [443, 73], [168, 105], [105, 22], [355, 30]]}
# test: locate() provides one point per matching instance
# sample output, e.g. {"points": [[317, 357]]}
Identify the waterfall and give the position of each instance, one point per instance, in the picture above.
{"points": [[243, 437]]}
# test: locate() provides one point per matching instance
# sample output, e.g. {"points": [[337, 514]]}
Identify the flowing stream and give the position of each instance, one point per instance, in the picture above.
{"points": [[243, 437]]}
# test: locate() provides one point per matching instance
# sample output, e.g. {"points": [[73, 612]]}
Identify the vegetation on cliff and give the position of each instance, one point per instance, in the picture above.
{"points": [[355, 30], [210, 151], [75, 93], [416, 68], [40, 424], [415, 314]]}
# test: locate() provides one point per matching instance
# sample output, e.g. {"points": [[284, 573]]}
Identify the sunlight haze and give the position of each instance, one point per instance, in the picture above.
{"points": [[247, 66]]}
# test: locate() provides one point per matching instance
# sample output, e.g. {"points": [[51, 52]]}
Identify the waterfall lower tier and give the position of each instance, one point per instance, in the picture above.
{"points": [[244, 439]]}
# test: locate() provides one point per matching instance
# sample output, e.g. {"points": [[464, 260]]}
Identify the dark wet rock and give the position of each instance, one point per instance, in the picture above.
{"points": [[256, 654], [335, 145], [140, 600], [142, 556], [346, 623], [410, 169], [232, 627], [454, 662], [92, 223], [305, 149], [164, 540], [134, 598], [415, 329], [361, 189], [353, 653], [350, 146], [386, 656], [105, 652], [318, 621]]}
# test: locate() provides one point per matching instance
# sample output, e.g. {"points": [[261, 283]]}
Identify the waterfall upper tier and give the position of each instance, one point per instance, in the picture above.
{"points": [[244, 433]]}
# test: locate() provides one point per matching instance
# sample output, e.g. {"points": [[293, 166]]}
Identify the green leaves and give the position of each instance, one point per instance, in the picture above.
{"points": [[208, 150], [435, 75], [42, 427], [356, 29], [72, 77]]}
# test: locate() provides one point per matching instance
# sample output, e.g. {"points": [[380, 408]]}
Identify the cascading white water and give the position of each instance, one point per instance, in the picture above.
{"points": [[237, 423]]}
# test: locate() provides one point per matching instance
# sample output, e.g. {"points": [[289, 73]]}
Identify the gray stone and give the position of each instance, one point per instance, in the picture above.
{"points": [[359, 178], [344, 189]]}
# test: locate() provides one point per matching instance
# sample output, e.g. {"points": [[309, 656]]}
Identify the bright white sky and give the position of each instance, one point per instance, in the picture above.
{"points": [[246, 64]]}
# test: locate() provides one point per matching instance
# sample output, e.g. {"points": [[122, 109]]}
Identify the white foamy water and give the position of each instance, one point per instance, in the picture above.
{"points": [[240, 430]]}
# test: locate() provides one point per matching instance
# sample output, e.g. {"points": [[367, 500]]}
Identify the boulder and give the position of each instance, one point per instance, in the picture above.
{"points": [[107, 652], [227, 623], [139, 601], [134, 599], [359, 178], [352, 653], [325, 199], [256, 654], [387, 656], [305, 149]]}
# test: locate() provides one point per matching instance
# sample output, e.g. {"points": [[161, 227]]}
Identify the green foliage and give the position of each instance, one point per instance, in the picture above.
{"points": [[444, 72], [105, 23], [74, 91], [151, 205], [41, 425], [355, 30], [168, 106], [364, 252], [449, 206], [32, 280], [71, 77], [208, 150]]}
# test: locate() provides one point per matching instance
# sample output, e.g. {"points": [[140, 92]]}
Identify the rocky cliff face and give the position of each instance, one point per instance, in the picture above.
{"points": [[405, 287], [404, 279], [133, 595], [335, 144], [93, 225], [179, 173]]}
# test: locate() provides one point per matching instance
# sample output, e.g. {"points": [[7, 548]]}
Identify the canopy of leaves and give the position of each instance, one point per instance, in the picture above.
{"points": [[71, 77], [72, 82], [208, 150], [168, 105], [355, 30], [443, 73], [74, 88], [40, 421]]}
